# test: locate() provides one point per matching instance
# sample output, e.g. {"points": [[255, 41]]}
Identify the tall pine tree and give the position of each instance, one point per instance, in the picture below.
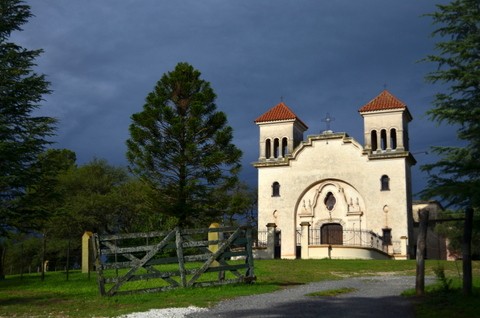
{"points": [[23, 136], [182, 146], [456, 176]]}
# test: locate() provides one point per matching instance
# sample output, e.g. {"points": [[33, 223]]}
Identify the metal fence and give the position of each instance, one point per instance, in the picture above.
{"points": [[260, 238], [347, 237]]}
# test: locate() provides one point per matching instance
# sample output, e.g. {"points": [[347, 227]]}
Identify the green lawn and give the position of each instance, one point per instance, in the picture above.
{"points": [[79, 297]]}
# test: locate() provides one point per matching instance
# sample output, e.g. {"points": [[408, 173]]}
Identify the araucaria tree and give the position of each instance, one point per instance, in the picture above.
{"points": [[182, 146], [23, 136], [456, 176]]}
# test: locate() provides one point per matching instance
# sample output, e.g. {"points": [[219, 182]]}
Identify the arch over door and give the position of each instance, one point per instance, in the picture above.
{"points": [[331, 233]]}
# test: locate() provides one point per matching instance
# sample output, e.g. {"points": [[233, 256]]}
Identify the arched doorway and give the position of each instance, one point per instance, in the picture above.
{"points": [[332, 234]]}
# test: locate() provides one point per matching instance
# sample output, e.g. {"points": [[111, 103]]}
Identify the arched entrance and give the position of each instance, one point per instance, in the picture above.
{"points": [[332, 234]]}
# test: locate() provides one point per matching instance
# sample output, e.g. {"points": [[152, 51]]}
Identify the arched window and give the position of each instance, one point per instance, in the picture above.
{"points": [[284, 147], [384, 183], [276, 147], [268, 149], [373, 138], [383, 139], [393, 138], [275, 189]]}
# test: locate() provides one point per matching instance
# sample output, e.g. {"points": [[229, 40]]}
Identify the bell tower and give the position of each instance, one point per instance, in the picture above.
{"points": [[386, 121], [281, 131]]}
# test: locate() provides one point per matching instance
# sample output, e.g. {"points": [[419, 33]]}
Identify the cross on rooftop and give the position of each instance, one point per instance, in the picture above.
{"points": [[327, 120]]}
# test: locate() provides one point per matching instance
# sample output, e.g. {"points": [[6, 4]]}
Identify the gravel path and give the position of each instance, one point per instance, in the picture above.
{"points": [[376, 296]]}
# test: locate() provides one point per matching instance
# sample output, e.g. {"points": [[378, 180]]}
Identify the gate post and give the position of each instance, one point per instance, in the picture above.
{"points": [[271, 240], [86, 252], [214, 236], [305, 239]]}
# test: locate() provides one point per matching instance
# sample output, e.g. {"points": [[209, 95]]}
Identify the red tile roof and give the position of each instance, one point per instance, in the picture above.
{"points": [[384, 101], [278, 113]]}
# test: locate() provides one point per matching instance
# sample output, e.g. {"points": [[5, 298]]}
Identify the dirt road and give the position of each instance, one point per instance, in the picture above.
{"points": [[377, 296]]}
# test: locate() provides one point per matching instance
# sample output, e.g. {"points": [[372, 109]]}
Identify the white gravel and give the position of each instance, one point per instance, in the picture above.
{"points": [[165, 313]]}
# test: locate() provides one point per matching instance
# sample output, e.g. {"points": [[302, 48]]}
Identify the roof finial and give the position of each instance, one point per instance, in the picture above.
{"points": [[327, 120], [281, 99], [384, 86]]}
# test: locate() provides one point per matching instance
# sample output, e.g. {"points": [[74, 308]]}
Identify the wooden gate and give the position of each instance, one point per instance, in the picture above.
{"points": [[158, 261]]}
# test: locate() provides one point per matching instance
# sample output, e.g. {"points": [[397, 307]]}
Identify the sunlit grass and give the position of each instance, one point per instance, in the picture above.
{"points": [[332, 292]]}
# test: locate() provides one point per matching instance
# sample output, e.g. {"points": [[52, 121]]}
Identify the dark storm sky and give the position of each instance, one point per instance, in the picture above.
{"points": [[103, 57]]}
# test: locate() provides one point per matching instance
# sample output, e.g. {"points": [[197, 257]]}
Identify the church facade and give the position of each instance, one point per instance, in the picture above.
{"points": [[329, 195]]}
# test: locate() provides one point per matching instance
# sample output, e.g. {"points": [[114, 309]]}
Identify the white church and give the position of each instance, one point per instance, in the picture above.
{"points": [[330, 196]]}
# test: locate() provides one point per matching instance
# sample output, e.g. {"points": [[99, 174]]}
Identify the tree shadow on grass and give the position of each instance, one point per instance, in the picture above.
{"points": [[391, 307], [25, 300]]}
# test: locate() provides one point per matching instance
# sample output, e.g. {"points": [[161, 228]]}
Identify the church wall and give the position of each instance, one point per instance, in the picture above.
{"points": [[390, 207], [333, 159]]}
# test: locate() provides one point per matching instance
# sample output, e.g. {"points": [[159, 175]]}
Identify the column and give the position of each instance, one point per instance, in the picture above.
{"points": [[305, 230], [404, 246], [87, 261], [271, 240]]}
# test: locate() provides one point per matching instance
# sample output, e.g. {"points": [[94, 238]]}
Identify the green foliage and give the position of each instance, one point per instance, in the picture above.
{"points": [[182, 146], [442, 278], [22, 136], [238, 203], [69, 200], [22, 254], [90, 200], [102, 198], [456, 176], [453, 231], [452, 303], [43, 198]]}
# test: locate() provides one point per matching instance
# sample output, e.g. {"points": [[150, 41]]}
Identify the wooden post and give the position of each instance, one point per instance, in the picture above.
{"points": [[181, 260], [98, 264], [422, 236], [250, 271], [466, 252]]}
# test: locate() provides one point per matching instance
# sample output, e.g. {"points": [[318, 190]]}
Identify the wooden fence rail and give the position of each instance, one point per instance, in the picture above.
{"points": [[158, 261]]}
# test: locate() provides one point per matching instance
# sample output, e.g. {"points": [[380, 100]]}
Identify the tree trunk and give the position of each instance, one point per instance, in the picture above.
{"points": [[44, 252], [68, 260], [3, 249], [422, 236], [466, 252]]}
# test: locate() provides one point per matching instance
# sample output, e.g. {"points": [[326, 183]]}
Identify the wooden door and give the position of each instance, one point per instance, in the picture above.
{"points": [[332, 233]]}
